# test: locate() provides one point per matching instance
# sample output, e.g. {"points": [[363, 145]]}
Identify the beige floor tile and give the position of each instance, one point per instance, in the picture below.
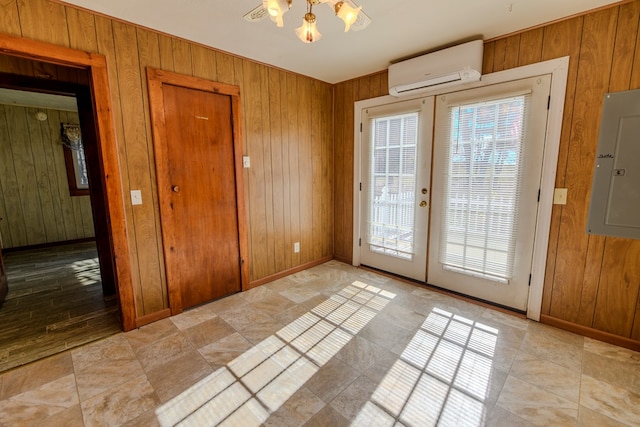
{"points": [[296, 411], [273, 304], [560, 347], [104, 365], [334, 377], [242, 316], [208, 332], [614, 402], [68, 418], [257, 294], [361, 354], [547, 375], [537, 405], [621, 369], [171, 379], [36, 374], [225, 349], [591, 418], [163, 351], [499, 417], [32, 407], [258, 331], [327, 417], [351, 400], [193, 317], [120, 404]]}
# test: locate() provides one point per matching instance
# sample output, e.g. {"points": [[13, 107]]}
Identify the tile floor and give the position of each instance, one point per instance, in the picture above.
{"points": [[331, 346]]}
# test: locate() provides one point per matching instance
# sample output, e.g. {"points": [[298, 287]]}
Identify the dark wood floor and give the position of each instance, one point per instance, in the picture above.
{"points": [[54, 303]]}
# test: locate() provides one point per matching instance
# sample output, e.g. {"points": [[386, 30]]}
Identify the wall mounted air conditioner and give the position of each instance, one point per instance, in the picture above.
{"points": [[447, 67]]}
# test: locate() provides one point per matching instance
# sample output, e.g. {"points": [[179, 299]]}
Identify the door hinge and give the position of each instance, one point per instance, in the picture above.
{"points": [[360, 186], [359, 242], [529, 280], [360, 127], [538, 194], [549, 102]]}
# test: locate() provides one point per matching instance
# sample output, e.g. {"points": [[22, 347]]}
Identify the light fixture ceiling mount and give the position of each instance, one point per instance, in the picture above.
{"points": [[350, 13]]}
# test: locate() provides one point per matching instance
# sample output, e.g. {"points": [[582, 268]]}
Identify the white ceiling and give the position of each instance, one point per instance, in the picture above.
{"points": [[21, 98], [399, 28]]}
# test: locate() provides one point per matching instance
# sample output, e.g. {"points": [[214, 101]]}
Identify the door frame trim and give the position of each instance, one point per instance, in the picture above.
{"points": [[107, 147], [155, 79], [558, 69]]}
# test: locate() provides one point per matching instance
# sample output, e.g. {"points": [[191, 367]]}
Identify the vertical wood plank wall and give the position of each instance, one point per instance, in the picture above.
{"points": [[287, 127], [593, 281], [35, 204]]}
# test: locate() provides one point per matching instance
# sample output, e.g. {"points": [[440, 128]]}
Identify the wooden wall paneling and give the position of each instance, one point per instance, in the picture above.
{"points": [[14, 231], [255, 184], [82, 30], [294, 186], [327, 171], [25, 176], [149, 56], [268, 181], [181, 56], [166, 52], [374, 82], [384, 83], [285, 117], [512, 52], [561, 39], [62, 199], [281, 247], [362, 91], [203, 63], [593, 78], [54, 170], [315, 250], [345, 178], [620, 284], [137, 161], [106, 46], [225, 68], [340, 227], [488, 55], [42, 20], [10, 18], [305, 159], [619, 287], [38, 134], [621, 66], [530, 50], [499, 54]]}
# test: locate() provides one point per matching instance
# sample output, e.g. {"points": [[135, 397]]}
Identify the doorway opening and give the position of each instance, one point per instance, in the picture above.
{"points": [[55, 235]]}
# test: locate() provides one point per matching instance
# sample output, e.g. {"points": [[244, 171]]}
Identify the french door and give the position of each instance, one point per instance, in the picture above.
{"points": [[394, 194], [488, 151]]}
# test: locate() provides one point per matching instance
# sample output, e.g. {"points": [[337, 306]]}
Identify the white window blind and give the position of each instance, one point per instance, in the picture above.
{"points": [[391, 192], [485, 154]]}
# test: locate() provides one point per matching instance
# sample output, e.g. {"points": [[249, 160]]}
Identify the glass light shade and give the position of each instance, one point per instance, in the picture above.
{"points": [[347, 13], [308, 32], [276, 9]]}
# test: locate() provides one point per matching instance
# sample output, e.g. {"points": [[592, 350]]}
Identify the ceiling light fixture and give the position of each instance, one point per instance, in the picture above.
{"points": [[350, 13]]}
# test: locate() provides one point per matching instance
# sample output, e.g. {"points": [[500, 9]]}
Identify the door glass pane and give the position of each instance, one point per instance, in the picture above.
{"points": [[390, 228], [482, 184]]}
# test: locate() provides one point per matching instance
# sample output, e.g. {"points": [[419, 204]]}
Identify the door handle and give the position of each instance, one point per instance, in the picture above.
{"points": [[175, 189], [423, 204]]}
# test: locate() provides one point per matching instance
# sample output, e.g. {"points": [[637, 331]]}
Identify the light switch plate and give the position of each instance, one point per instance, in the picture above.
{"points": [[136, 197], [560, 196], [246, 162]]}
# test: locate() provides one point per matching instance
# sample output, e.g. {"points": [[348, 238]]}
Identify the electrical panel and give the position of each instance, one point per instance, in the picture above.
{"points": [[615, 195]]}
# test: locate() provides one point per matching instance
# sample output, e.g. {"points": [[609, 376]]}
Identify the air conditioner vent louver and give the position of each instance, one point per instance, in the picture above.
{"points": [[448, 67]]}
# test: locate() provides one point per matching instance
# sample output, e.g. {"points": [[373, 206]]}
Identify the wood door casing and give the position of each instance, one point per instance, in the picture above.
{"points": [[198, 158]]}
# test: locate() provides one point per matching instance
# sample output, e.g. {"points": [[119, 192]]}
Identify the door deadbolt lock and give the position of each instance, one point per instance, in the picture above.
{"points": [[423, 204], [424, 191]]}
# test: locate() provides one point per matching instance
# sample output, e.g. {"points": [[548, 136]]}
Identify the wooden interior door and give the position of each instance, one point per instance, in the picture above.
{"points": [[199, 184]]}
